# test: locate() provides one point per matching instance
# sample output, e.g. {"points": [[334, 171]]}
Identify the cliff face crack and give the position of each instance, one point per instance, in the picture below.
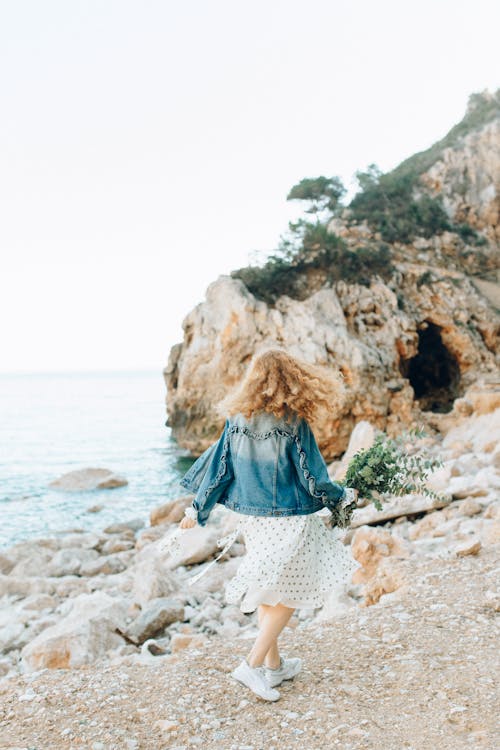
{"points": [[434, 373]]}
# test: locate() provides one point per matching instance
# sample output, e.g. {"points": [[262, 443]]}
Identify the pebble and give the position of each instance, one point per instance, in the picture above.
{"points": [[166, 725], [470, 548]]}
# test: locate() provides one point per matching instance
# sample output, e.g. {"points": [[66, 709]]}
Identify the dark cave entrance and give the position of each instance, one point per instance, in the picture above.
{"points": [[434, 373]]}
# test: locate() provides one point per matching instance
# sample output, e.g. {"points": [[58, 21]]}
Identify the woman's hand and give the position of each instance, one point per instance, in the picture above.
{"points": [[187, 523]]}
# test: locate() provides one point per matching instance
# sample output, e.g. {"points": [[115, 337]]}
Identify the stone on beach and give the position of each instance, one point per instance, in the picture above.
{"points": [[196, 545], [181, 641], [103, 565], [472, 547], [156, 615], [152, 580], [398, 506], [369, 545], [88, 479], [69, 560], [86, 633], [376, 550], [125, 527], [170, 512]]}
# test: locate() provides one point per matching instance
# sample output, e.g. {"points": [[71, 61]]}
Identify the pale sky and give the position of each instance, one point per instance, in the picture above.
{"points": [[148, 146]]}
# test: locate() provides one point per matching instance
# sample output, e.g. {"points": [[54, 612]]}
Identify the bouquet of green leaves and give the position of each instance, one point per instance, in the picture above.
{"points": [[387, 468]]}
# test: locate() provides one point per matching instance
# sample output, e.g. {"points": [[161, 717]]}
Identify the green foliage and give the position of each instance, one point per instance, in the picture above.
{"points": [[386, 201], [387, 204], [388, 468], [323, 193], [482, 108], [469, 235], [393, 204], [426, 278], [310, 246]]}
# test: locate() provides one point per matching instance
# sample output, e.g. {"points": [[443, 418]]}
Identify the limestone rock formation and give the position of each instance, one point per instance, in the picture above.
{"points": [[441, 343], [410, 345], [476, 167]]}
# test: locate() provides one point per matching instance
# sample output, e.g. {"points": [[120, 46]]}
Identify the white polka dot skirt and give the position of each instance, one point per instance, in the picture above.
{"points": [[293, 560]]}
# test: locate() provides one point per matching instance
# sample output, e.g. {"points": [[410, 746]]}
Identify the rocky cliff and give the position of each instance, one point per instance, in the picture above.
{"points": [[414, 342]]}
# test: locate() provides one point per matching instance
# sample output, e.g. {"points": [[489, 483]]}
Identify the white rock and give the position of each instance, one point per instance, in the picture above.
{"points": [[362, 438], [68, 561], [152, 579], [476, 485], [104, 565], [395, 507], [196, 545], [88, 479], [478, 431], [86, 633], [10, 635], [35, 564]]}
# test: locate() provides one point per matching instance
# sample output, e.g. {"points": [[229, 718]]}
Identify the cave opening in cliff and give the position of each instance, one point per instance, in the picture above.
{"points": [[434, 373]]}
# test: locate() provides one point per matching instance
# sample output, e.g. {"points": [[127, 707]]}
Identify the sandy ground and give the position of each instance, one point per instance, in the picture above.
{"points": [[417, 670]]}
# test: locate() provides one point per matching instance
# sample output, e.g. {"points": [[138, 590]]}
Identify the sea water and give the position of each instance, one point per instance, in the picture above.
{"points": [[54, 423]]}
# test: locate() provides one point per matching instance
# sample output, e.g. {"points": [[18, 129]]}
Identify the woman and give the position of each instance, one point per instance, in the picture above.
{"points": [[267, 466]]}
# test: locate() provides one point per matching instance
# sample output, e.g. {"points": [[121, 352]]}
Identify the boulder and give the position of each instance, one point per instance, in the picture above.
{"points": [[85, 539], [471, 547], [156, 615], [35, 564], [395, 507], [11, 635], [195, 546], [388, 578], [104, 565], [170, 512], [88, 479], [371, 545], [152, 580], [86, 633], [69, 560], [470, 507], [182, 641], [150, 534], [6, 564], [214, 579], [127, 528], [479, 484], [483, 398], [478, 434], [113, 545], [39, 602]]}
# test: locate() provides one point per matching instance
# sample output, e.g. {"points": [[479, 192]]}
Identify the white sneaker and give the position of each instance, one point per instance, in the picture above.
{"points": [[287, 670], [255, 679]]}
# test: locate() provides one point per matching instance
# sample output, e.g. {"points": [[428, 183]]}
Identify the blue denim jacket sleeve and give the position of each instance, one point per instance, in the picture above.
{"points": [[311, 467], [209, 476]]}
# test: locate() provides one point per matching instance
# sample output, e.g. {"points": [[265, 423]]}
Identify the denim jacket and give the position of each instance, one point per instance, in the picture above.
{"points": [[262, 466]]}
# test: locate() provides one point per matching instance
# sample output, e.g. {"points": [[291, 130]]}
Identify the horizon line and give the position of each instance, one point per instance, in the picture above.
{"points": [[90, 371]]}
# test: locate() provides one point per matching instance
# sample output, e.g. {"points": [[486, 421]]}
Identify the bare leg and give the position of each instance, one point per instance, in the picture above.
{"points": [[272, 659], [272, 622]]}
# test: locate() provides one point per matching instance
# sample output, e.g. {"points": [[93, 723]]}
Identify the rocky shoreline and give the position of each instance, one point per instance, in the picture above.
{"points": [[105, 646], [84, 598], [416, 671]]}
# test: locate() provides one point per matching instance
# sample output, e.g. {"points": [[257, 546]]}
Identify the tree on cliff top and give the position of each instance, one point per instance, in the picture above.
{"points": [[323, 193]]}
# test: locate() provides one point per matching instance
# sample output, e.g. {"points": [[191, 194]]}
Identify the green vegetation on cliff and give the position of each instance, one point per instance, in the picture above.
{"points": [[386, 202], [482, 108], [395, 206]]}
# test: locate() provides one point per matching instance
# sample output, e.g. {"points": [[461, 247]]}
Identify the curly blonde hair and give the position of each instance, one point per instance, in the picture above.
{"points": [[278, 383]]}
